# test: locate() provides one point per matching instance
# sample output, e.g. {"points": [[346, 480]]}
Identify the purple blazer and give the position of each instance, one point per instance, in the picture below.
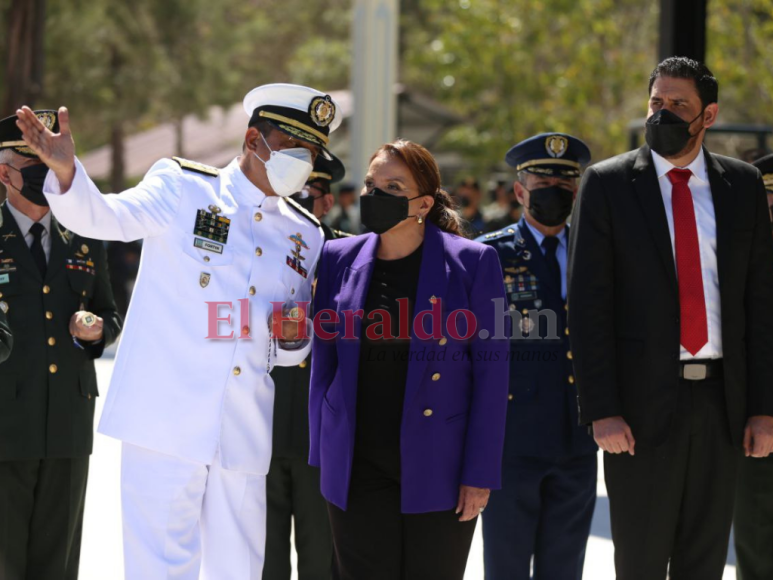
{"points": [[454, 414]]}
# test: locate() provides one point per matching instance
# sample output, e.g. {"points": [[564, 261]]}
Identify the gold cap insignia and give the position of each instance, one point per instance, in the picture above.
{"points": [[48, 119], [556, 145], [322, 110]]}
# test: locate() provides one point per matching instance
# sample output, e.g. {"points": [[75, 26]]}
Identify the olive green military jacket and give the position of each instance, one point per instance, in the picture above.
{"points": [[6, 339], [48, 384]]}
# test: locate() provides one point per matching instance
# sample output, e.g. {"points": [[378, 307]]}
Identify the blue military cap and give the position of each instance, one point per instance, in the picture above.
{"points": [[765, 165], [549, 154]]}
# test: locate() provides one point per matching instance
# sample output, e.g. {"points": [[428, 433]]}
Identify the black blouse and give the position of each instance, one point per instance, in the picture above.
{"points": [[384, 361]]}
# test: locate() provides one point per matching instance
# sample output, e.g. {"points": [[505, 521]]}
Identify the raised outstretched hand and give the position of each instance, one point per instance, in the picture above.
{"points": [[56, 150]]}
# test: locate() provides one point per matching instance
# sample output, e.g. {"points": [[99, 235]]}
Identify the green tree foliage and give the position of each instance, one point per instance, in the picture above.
{"points": [[512, 68], [517, 67], [740, 54]]}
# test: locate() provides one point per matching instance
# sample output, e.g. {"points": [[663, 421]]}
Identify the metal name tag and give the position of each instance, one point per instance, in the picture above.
{"points": [[209, 246]]}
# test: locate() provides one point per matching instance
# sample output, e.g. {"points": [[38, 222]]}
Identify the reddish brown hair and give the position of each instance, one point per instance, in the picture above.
{"points": [[425, 171]]}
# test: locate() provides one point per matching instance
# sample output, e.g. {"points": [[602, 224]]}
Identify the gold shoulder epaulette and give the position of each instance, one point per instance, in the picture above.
{"points": [[340, 234], [297, 207], [197, 167]]}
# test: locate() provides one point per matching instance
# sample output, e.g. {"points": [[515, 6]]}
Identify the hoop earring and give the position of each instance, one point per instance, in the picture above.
{"points": [[420, 219]]}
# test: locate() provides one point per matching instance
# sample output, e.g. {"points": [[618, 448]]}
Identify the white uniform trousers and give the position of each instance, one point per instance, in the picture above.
{"points": [[181, 518]]}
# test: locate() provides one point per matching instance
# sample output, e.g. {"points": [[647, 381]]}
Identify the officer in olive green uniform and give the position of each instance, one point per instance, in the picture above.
{"points": [[292, 485], [753, 523], [6, 340], [55, 293]]}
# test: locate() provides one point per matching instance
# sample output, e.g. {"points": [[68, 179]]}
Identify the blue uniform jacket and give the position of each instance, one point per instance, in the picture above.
{"points": [[542, 418]]}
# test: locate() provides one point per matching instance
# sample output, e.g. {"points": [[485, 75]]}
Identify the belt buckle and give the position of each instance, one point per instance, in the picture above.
{"points": [[694, 372]]}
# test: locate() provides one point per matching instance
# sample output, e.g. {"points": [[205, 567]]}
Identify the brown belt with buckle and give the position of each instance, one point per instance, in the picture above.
{"points": [[699, 370]]}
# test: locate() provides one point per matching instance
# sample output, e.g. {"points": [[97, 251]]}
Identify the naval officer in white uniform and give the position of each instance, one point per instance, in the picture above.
{"points": [[195, 412]]}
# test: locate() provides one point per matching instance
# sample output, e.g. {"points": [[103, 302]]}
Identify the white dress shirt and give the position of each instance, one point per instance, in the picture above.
{"points": [[25, 223], [707, 241], [560, 251]]}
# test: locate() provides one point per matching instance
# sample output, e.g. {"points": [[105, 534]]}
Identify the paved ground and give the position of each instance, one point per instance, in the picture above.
{"points": [[101, 552]]}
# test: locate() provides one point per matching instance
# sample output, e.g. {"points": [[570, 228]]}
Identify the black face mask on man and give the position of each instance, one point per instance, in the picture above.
{"points": [[33, 177], [306, 199], [667, 134], [381, 211], [550, 206]]}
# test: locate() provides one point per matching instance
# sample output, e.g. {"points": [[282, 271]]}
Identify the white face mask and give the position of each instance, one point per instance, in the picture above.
{"points": [[288, 170]]}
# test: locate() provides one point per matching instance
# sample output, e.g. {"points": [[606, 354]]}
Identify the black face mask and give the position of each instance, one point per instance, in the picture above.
{"points": [[33, 177], [307, 202], [306, 198], [381, 211], [550, 206], [667, 134]]}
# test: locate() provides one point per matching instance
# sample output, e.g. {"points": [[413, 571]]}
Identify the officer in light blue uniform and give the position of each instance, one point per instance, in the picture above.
{"points": [[545, 506]]}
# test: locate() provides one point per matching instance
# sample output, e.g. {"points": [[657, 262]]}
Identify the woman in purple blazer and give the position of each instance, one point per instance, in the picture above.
{"points": [[407, 409]]}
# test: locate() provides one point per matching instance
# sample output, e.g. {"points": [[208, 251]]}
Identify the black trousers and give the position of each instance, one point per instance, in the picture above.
{"points": [[373, 540], [754, 519], [41, 518], [292, 493], [672, 506]]}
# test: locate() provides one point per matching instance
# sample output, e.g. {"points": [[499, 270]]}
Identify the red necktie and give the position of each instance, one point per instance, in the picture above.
{"points": [[692, 304]]}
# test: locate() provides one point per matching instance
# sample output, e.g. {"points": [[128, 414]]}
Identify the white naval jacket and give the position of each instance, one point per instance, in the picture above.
{"points": [[173, 390]]}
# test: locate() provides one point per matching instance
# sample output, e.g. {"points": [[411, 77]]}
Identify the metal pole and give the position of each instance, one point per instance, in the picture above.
{"points": [[374, 74], [683, 29]]}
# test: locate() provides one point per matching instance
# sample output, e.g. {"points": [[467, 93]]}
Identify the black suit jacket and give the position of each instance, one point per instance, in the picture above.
{"points": [[48, 385], [624, 297]]}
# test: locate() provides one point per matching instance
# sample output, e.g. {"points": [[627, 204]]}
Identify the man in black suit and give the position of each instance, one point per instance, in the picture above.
{"points": [[671, 322], [55, 292]]}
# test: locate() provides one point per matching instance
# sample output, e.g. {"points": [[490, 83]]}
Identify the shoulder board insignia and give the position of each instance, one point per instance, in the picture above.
{"points": [[197, 167], [340, 234], [297, 207], [492, 236]]}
